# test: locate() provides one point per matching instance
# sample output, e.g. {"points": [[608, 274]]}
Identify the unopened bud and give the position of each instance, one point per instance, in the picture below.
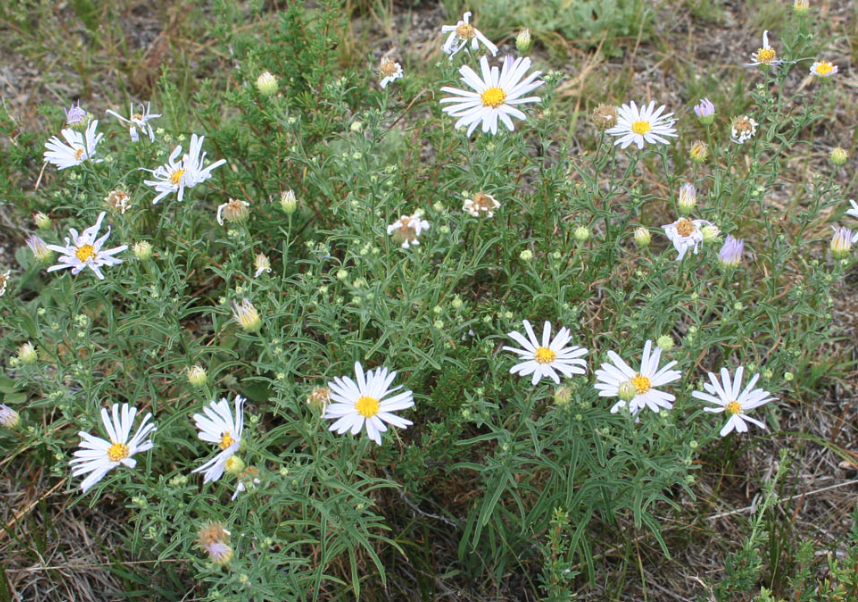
{"points": [[524, 42], [627, 391], [142, 250], [664, 342], [642, 237], [582, 234], [288, 202], [266, 84], [562, 396], [197, 376], [710, 233], [839, 156], [687, 198], [9, 417], [27, 354], [234, 465], [42, 221]]}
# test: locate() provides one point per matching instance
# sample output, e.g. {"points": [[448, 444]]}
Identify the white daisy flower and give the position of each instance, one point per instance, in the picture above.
{"points": [[637, 388], [140, 120], [549, 357], [765, 56], [355, 404], [407, 228], [177, 175], [642, 125], [390, 71], [686, 233], [84, 251], [496, 95], [462, 34], [823, 69], [218, 425], [97, 456], [727, 395], [80, 147]]}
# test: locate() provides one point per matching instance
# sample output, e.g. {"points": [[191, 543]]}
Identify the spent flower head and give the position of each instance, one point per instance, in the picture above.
{"points": [[464, 35], [233, 211], [390, 71], [699, 151], [686, 233], [605, 116], [117, 201], [481, 204], [742, 129], [138, 119], [408, 229], [687, 198]]}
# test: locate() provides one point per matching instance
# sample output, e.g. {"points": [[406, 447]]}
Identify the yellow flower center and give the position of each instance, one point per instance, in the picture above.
{"points": [[388, 68], [176, 177], [226, 441], [685, 227], [544, 355], [641, 383], [493, 97], [78, 154], [465, 31], [766, 55], [117, 452], [641, 127], [824, 68], [733, 408], [137, 117], [85, 252], [367, 406]]}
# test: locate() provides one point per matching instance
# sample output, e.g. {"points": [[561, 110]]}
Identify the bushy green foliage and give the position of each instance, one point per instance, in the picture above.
{"points": [[529, 480]]}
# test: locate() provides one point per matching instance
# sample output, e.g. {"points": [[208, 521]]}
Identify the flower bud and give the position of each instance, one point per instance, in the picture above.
{"points": [[841, 242], [731, 251], [642, 237], [42, 221], [839, 156], [627, 391], [526, 255], [801, 7], [27, 354], [142, 250], [9, 417], [582, 234], [266, 84], [687, 198], [356, 127], [664, 342], [234, 465], [262, 264], [288, 202], [699, 151], [705, 111], [197, 376], [562, 396], [710, 233], [524, 42]]}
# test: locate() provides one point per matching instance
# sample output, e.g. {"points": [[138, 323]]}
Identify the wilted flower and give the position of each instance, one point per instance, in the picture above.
{"points": [[823, 69], [765, 56], [462, 34], [643, 125], [79, 147], [390, 71], [246, 315], [319, 398], [362, 403], [549, 357], [605, 116], [705, 111], [731, 251], [482, 203], [262, 264], [699, 151], [733, 400], [97, 456], [266, 84], [497, 97], [177, 175], [4, 281], [42, 221], [687, 198], [27, 354], [408, 228], [742, 129], [40, 250], [214, 540], [9, 417], [637, 388], [117, 200], [139, 119], [642, 236], [233, 211], [84, 251], [685, 234], [841, 242]]}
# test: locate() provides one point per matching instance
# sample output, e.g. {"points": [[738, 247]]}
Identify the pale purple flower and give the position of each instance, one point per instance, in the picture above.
{"points": [[704, 109], [74, 114], [731, 251]]}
